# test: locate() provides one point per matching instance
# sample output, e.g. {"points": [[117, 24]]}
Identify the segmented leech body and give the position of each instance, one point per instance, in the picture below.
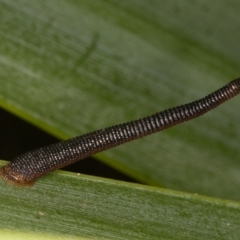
{"points": [[28, 167]]}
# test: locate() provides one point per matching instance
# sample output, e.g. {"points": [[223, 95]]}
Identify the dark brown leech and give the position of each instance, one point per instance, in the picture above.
{"points": [[26, 168]]}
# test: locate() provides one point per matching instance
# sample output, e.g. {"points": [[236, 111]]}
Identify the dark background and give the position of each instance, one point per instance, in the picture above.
{"points": [[18, 136]]}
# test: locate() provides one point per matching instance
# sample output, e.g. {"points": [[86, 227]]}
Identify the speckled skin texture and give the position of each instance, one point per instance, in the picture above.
{"points": [[26, 168]]}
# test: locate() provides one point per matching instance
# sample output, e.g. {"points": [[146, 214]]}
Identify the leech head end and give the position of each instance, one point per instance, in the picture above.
{"points": [[16, 179]]}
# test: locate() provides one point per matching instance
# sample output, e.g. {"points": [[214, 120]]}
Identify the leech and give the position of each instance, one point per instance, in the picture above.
{"points": [[28, 167]]}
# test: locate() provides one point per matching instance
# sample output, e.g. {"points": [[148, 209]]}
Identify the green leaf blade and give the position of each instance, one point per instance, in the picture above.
{"points": [[71, 68], [65, 204]]}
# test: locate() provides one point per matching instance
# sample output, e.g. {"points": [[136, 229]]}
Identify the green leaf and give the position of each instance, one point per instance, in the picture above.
{"points": [[67, 206], [72, 67]]}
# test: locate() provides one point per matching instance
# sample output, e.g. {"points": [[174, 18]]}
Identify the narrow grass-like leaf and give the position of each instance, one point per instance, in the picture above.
{"points": [[67, 206]]}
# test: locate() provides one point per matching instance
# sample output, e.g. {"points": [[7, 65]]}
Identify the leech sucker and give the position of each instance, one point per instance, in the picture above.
{"points": [[28, 167]]}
